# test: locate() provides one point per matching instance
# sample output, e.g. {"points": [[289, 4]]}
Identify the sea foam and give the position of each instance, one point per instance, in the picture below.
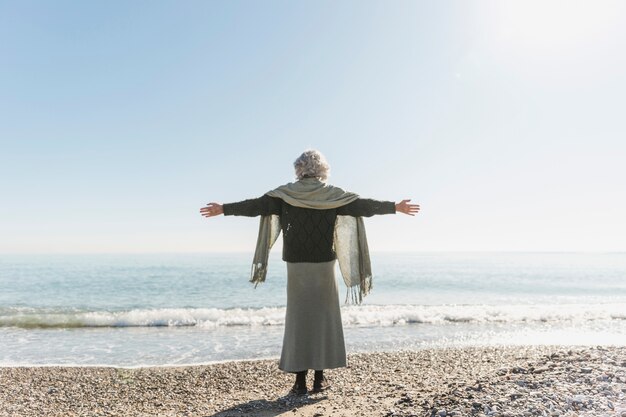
{"points": [[364, 315]]}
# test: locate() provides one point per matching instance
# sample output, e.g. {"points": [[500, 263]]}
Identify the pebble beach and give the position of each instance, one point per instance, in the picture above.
{"points": [[476, 381]]}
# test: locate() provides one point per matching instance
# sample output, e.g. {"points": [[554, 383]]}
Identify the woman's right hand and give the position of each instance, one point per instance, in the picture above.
{"points": [[212, 209]]}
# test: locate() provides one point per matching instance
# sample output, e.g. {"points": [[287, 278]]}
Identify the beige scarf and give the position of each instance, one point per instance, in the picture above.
{"points": [[350, 239]]}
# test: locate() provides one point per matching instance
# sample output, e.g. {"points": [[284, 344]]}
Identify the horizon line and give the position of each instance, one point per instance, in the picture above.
{"points": [[374, 251]]}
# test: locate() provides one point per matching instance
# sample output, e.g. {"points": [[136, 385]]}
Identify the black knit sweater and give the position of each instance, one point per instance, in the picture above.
{"points": [[307, 233]]}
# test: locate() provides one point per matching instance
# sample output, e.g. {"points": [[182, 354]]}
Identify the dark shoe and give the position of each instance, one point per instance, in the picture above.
{"points": [[298, 389], [322, 385]]}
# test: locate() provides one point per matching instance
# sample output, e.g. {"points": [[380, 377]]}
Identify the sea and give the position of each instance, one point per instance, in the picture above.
{"points": [[136, 310]]}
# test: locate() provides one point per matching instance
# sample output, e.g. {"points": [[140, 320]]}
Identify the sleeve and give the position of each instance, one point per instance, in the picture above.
{"points": [[366, 207], [261, 206]]}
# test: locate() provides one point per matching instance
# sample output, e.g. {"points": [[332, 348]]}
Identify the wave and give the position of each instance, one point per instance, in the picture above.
{"points": [[365, 315], [161, 317]]}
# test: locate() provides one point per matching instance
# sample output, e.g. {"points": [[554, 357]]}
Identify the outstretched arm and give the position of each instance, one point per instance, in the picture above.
{"points": [[212, 209], [406, 208], [365, 207], [264, 205]]}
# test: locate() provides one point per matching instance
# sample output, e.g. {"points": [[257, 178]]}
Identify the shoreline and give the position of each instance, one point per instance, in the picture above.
{"points": [[132, 367], [276, 358], [487, 381]]}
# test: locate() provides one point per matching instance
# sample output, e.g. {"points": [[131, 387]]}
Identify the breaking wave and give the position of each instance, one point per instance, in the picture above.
{"points": [[365, 315]]}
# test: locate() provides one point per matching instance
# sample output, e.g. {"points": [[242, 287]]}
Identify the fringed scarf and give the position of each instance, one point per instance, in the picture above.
{"points": [[350, 240]]}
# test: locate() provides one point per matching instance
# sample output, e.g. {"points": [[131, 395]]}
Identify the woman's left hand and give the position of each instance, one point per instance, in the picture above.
{"points": [[406, 208]]}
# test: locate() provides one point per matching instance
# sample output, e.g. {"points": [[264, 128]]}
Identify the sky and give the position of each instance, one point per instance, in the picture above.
{"points": [[504, 120]]}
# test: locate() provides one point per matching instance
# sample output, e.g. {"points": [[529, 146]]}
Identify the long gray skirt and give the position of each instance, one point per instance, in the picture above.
{"points": [[313, 331]]}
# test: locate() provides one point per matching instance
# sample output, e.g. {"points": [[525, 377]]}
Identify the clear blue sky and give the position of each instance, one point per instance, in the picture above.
{"points": [[120, 119]]}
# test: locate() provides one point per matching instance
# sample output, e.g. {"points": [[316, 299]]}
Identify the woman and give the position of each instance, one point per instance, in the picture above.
{"points": [[320, 224]]}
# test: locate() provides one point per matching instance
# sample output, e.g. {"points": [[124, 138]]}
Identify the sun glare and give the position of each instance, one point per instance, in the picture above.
{"points": [[557, 24]]}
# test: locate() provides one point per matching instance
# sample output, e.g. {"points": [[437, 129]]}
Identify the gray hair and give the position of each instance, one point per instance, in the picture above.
{"points": [[312, 164]]}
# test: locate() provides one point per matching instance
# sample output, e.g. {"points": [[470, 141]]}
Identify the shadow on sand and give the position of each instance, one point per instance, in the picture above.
{"points": [[265, 408]]}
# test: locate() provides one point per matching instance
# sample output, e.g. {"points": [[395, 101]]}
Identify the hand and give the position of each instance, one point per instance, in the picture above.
{"points": [[212, 209], [406, 208]]}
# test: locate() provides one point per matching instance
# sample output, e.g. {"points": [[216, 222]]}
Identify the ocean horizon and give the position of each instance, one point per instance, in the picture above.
{"points": [[160, 309]]}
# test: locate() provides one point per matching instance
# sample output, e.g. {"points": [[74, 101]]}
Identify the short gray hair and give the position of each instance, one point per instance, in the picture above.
{"points": [[312, 164]]}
